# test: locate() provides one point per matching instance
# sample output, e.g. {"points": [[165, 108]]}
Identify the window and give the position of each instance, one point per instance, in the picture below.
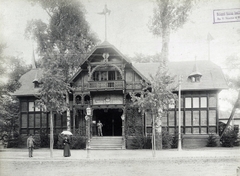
{"points": [[188, 103], [111, 75], [212, 117], [203, 102], [195, 102], [171, 118], [212, 102], [24, 106], [188, 118], [195, 118], [203, 118], [31, 106]]}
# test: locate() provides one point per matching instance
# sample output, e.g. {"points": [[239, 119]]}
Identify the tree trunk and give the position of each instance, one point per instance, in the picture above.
{"points": [[51, 134], [153, 135], [165, 45], [236, 105], [158, 128], [68, 113]]}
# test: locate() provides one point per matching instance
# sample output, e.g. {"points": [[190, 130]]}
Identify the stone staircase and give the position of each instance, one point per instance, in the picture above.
{"points": [[106, 143]]}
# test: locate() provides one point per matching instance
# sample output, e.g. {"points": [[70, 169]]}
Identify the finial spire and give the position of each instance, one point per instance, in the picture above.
{"points": [[33, 60], [105, 12]]}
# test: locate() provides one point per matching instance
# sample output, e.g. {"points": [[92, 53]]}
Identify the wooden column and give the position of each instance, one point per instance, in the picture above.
{"points": [[123, 129]]}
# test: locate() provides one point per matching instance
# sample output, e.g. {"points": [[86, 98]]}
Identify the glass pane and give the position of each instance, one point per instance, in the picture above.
{"points": [[104, 76], [196, 102], [188, 103], [188, 118], [212, 117], [31, 131], [24, 106], [58, 120], [203, 118], [64, 120], [212, 130], [44, 120], [23, 131], [37, 120], [172, 104], [148, 119], [37, 108], [203, 102], [119, 77], [96, 76], [178, 118], [203, 130], [111, 75], [24, 121], [31, 121], [31, 106], [195, 130], [188, 131], [195, 118], [212, 102], [149, 129], [171, 118], [164, 121]]}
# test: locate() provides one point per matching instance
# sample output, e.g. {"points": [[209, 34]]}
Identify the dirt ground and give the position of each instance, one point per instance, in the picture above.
{"points": [[149, 167], [220, 162]]}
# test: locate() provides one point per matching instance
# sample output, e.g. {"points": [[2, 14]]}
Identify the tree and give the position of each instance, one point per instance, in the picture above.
{"points": [[169, 15], [156, 96], [53, 91], [63, 44], [11, 68], [233, 62]]}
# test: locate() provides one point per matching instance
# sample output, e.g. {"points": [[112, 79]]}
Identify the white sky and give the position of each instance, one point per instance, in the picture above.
{"points": [[128, 29]]}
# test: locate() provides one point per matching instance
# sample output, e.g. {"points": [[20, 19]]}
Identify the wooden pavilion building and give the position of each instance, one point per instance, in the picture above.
{"points": [[104, 82]]}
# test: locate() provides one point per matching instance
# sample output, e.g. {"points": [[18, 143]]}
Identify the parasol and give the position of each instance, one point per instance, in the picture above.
{"points": [[66, 133]]}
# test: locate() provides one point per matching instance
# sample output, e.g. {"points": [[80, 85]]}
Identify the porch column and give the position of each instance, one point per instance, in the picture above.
{"points": [[74, 120], [123, 129]]}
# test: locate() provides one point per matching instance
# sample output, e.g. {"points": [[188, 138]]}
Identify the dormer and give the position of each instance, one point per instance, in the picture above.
{"points": [[195, 76]]}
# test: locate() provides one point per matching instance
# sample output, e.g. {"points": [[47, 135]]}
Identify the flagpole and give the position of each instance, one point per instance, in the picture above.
{"points": [[179, 114]]}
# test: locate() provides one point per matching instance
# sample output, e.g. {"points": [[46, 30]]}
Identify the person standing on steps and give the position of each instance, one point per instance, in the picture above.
{"points": [[99, 126], [30, 145]]}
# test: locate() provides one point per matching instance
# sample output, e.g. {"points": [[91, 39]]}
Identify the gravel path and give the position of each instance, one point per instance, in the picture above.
{"points": [[121, 163]]}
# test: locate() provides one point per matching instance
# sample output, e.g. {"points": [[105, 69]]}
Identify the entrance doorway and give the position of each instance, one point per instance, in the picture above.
{"points": [[111, 120]]}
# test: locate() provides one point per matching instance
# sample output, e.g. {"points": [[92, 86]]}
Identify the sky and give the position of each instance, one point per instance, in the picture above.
{"points": [[127, 29]]}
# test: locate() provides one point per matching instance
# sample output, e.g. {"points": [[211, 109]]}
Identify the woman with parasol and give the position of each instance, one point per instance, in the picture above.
{"points": [[66, 144]]}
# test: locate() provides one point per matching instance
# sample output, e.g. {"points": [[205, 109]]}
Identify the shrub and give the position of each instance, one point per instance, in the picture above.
{"points": [[212, 140], [167, 139], [141, 142], [229, 138], [76, 142]]}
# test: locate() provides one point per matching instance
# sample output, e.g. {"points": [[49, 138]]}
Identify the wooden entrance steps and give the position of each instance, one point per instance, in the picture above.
{"points": [[106, 142]]}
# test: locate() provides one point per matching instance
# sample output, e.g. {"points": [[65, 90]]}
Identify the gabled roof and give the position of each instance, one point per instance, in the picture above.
{"points": [[104, 45], [27, 85], [212, 75]]}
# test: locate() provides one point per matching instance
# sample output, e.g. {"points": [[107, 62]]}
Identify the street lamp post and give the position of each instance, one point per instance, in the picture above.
{"points": [[88, 118], [179, 115]]}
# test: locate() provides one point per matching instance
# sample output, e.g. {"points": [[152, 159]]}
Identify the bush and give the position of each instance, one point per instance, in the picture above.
{"points": [[141, 142], [212, 140], [76, 142], [167, 139], [175, 139], [229, 138]]}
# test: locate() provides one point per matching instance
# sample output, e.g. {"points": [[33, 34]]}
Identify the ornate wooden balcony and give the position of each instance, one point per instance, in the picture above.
{"points": [[106, 85]]}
